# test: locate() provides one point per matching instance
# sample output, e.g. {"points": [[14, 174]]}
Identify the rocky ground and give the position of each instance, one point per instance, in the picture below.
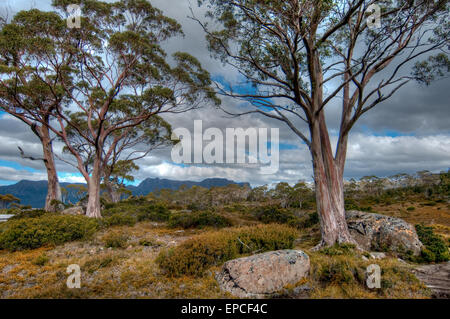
{"points": [[436, 277], [130, 271]]}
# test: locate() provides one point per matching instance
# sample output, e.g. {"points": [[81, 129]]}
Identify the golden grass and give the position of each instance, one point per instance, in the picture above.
{"points": [[131, 272]]}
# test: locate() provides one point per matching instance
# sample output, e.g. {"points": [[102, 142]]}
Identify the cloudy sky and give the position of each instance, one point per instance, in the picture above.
{"points": [[408, 133]]}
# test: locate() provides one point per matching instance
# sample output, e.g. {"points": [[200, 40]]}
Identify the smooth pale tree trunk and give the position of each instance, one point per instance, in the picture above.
{"points": [[93, 206], [113, 194], [328, 177], [53, 188]]}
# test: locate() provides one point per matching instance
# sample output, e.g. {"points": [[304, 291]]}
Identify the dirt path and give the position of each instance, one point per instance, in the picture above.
{"points": [[437, 278]]}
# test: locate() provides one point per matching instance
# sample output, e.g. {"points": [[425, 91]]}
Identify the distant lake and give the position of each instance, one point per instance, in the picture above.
{"points": [[4, 218]]}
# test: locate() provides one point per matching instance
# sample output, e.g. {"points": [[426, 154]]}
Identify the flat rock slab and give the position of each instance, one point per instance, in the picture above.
{"points": [[263, 274], [379, 232], [77, 210], [437, 278]]}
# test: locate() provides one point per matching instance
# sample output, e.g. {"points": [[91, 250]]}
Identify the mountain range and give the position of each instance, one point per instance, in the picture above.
{"points": [[33, 193]]}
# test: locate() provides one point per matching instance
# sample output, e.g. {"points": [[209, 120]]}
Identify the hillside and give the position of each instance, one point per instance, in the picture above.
{"points": [[33, 193]]}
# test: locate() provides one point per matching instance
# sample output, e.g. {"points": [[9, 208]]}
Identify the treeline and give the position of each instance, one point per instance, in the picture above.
{"points": [[371, 189]]}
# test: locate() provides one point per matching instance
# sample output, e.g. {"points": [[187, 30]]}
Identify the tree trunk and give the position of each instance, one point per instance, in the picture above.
{"points": [[53, 188], [113, 194], [93, 206], [328, 178]]}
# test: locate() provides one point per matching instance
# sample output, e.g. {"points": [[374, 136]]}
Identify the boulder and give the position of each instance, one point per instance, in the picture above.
{"points": [[77, 210], [263, 274], [382, 233]]}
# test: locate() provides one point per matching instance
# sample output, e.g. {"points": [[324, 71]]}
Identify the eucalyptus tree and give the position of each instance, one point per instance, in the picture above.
{"points": [[300, 56], [114, 74], [29, 90], [121, 149]]}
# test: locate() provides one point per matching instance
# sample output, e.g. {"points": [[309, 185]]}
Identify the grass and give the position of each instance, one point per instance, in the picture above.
{"points": [[120, 261]]}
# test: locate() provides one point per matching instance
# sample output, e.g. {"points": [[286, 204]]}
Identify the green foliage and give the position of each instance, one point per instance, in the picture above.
{"points": [[139, 210], [198, 219], [115, 240], [311, 220], [30, 233], [149, 242], [119, 219], [32, 213], [274, 214], [41, 260], [339, 272], [93, 265], [197, 254], [337, 250], [6, 200], [411, 208], [154, 212], [435, 249]]}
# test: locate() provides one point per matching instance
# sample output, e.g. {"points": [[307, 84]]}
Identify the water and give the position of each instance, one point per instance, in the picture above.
{"points": [[4, 218]]}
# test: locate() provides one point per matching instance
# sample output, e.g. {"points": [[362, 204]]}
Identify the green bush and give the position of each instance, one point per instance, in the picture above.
{"points": [[337, 250], [50, 229], [311, 220], [115, 240], [32, 213], [41, 260], [119, 219], [140, 210], [154, 212], [411, 208], [435, 249], [274, 214], [197, 220], [197, 254], [339, 272]]}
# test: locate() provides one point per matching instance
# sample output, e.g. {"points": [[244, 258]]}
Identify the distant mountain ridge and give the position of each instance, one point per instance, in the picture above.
{"points": [[33, 193]]}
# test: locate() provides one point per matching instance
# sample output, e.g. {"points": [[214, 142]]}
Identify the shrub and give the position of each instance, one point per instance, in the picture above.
{"points": [[198, 219], [41, 260], [274, 214], [435, 249], [32, 213], [154, 212], [140, 210], [197, 254], [50, 229], [149, 242], [115, 240], [340, 271], [411, 208], [311, 220], [337, 250], [119, 219]]}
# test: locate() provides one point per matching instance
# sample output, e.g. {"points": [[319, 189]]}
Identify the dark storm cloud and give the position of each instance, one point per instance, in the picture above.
{"points": [[422, 112]]}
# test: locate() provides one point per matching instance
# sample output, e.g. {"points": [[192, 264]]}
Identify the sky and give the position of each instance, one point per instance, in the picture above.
{"points": [[407, 133]]}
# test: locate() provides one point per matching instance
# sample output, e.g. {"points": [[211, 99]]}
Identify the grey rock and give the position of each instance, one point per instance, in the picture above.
{"points": [[377, 255], [77, 210], [380, 233], [263, 274]]}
